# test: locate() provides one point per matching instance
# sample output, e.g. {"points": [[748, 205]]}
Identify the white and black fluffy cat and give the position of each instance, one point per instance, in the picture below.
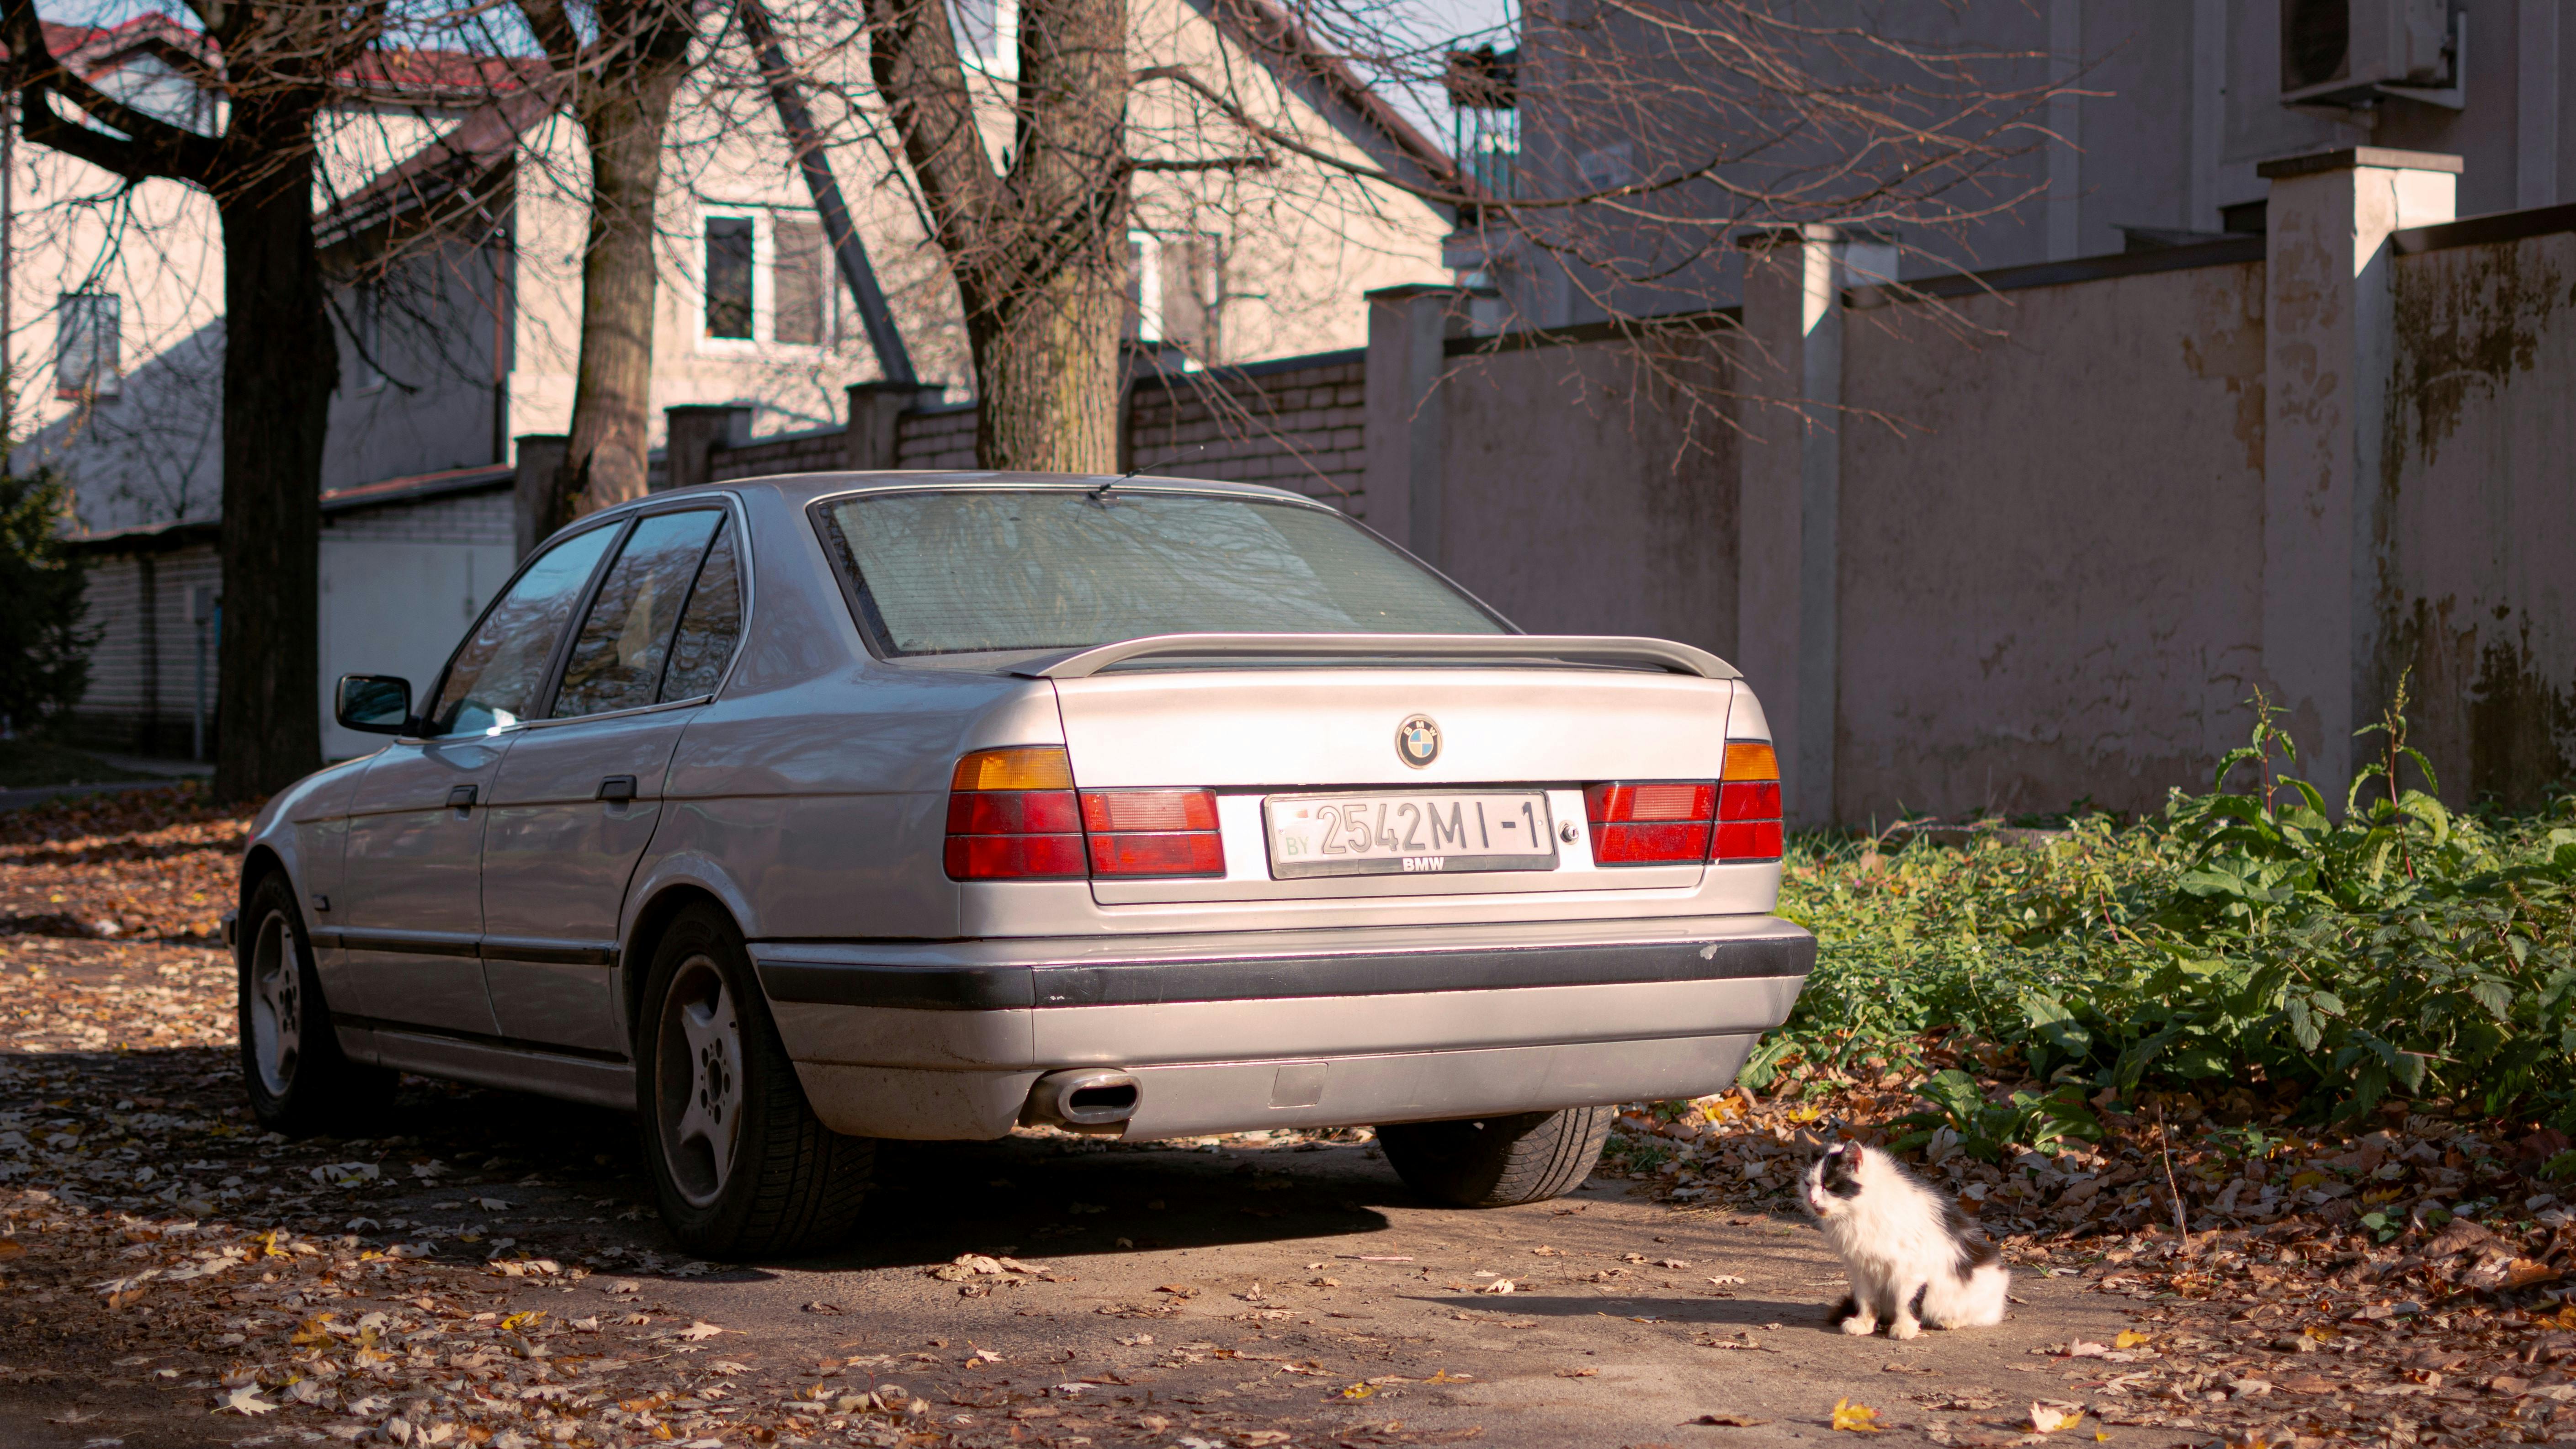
{"points": [[1912, 1257]]}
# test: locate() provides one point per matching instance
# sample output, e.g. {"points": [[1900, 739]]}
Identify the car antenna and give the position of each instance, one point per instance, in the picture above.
{"points": [[1101, 493]]}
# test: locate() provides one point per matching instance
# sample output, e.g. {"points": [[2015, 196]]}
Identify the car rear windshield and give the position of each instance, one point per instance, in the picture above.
{"points": [[974, 572]]}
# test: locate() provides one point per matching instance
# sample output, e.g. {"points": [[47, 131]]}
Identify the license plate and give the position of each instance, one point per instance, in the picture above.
{"points": [[1408, 834]]}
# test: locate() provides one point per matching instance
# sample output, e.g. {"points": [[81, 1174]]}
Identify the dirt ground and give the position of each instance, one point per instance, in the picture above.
{"points": [[1228, 1293], [488, 1271]]}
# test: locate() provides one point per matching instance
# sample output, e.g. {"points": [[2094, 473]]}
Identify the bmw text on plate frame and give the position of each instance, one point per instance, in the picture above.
{"points": [[755, 809], [1417, 740]]}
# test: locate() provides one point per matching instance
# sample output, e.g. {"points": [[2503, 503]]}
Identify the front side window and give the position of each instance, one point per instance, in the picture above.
{"points": [[971, 572], [493, 681], [617, 657]]}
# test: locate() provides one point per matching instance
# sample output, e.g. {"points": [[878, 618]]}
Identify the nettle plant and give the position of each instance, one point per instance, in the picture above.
{"points": [[2402, 945], [2247, 935]]}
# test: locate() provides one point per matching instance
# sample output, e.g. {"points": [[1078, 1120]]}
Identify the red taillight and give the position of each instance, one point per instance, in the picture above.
{"points": [[1650, 823], [1667, 822], [1748, 806], [1013, 814], [1008, 857], [1153, 832]]}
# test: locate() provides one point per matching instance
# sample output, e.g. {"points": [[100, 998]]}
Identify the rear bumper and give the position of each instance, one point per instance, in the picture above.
{"points": [[1281, 1029]]}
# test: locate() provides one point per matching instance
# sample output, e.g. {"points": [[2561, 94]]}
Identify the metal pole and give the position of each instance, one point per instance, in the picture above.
{"points": [[201, 610], [847, 249], [197, 716], [8, 181]]}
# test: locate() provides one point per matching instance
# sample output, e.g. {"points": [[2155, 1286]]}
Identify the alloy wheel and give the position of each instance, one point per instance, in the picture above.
{"points": [[698, 1073], [276, 1005]]}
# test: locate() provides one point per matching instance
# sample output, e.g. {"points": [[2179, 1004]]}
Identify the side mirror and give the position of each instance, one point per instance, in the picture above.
{"points": [[376, 704]]}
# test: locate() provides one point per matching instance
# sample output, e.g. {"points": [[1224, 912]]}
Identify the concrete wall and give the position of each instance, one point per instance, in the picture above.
{"points": [[2039, 537], [2480, 601], [2051, 564], [1577, 499]]}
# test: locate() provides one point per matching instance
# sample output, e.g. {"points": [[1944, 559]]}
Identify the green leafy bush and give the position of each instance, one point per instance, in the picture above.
{"points": [[2244, 937], [2040, 1121], [44, 651]]}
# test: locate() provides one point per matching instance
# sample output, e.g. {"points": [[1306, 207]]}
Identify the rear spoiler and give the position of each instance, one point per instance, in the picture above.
{"points": [[1549, 648]]}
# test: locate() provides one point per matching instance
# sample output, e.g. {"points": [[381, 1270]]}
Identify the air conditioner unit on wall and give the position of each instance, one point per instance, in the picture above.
{"points": [[2357, 52]]}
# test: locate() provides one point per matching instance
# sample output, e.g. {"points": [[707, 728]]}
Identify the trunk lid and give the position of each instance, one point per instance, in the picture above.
{"points": [[1252, 732]]}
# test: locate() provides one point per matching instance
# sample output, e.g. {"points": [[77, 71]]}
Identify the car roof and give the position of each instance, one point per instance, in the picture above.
{"points": [[799, 489]]}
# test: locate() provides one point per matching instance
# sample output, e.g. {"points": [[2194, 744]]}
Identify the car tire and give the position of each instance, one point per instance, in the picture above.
{"points": [[741, 1165], [300, 1081], [1498, 1161]]}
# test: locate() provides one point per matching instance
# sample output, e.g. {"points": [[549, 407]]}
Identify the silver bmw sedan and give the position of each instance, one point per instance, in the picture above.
{"points": [[797, 813]]}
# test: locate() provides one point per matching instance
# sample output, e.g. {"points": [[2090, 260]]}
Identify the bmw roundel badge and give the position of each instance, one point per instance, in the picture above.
{"points": [[1417, 740]]}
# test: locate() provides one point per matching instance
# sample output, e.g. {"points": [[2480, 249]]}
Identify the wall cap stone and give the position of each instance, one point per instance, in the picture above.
{"points": [[2353, 158]]}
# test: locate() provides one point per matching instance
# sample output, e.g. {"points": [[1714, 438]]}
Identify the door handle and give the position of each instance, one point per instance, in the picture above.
{"points": [[460, 797], [617, 789]]}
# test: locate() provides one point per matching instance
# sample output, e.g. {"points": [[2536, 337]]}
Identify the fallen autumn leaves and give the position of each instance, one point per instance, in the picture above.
{"points": [[423, 1290]]}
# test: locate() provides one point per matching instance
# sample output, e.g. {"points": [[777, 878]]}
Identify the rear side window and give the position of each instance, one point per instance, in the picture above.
{"points": [[494, 678], [617, 657], [969, 572], [709, 627]]}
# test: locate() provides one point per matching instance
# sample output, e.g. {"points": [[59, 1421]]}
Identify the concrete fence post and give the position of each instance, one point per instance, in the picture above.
{"points": [[1789, 501], [2329, 325], [695, 431], [876, 422], [540, 456], [1409, 331]]}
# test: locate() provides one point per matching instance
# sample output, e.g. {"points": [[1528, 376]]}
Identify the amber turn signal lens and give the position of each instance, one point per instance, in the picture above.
{"points": [[1751, 760], [1021, 767]]}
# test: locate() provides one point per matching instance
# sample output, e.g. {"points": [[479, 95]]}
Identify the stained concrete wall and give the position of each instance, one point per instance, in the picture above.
{"points": [[2051, 565], [2479, 591], [1577, 497], [2056, 567]]}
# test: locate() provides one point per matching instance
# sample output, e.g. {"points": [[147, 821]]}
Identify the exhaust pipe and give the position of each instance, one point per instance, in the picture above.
{"points": [[1094, 1101]]}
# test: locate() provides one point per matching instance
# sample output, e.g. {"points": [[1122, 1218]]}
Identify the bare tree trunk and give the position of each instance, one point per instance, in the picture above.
{"points": [[1040, 250], [279, 360], [1046, 375], [624, 119], [623, 80]]}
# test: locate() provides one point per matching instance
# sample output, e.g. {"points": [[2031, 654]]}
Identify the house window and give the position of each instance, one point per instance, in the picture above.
{"points": [[86, 352], [729, 263], [797, 282], [1175, 291], [988, 35]]}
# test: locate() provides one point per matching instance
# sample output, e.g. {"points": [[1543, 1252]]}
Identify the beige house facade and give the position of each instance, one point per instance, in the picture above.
{"points": [[454, 218]]}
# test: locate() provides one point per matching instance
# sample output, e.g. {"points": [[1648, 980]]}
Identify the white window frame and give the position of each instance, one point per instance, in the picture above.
{"points": [[763, 340]]}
